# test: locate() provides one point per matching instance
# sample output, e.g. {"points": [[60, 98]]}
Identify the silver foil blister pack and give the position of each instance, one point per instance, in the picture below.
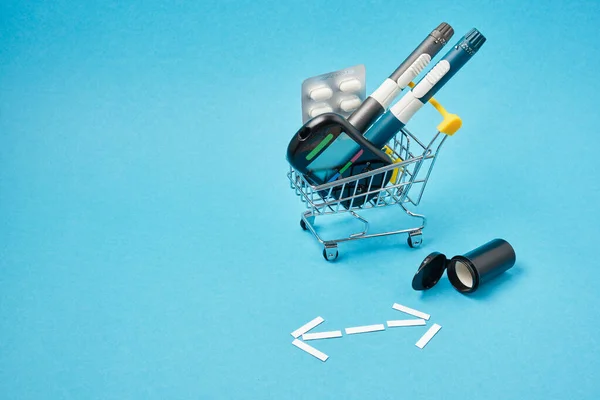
{"points": [[340, 92]]}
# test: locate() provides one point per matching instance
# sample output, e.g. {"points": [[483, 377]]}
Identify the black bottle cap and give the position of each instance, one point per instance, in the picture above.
{"points": [[431, 270]]}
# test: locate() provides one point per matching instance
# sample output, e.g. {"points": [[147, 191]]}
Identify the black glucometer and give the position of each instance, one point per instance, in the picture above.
{"points": [[310, 143]]}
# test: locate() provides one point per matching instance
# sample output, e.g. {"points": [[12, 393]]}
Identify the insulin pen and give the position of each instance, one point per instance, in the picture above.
{"points": [[390, 123], [400, 113], [379, 101]]}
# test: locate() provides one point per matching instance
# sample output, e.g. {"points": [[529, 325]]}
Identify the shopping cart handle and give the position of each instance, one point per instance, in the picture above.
{"points": [[451, 123]]}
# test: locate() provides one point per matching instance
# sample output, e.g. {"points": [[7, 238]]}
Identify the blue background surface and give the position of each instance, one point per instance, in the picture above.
{"points": [[150, 247]]}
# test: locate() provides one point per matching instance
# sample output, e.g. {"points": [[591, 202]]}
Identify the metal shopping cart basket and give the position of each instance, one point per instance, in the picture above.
{"points": [[407, 177]]}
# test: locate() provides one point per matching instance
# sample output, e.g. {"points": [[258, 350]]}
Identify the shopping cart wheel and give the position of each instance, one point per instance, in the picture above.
{"points": [[303, 225], [330, 253], [414, 239]]}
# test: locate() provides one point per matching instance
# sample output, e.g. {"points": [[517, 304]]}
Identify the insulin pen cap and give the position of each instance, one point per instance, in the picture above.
{"points": [[434, 42], [443, 32], [466, 272], [472, 41]]}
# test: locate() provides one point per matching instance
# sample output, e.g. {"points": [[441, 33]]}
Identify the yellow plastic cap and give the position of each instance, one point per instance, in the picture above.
{"points": [[450, 124]]}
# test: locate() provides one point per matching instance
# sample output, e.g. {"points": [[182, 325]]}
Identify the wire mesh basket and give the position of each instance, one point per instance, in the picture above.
{"points": [[401, 183]]}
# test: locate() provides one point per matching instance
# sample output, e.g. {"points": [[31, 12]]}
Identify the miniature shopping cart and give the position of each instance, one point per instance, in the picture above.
{"points": [[406, 178]]}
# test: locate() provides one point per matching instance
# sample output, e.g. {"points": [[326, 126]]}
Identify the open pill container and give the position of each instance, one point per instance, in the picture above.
{"points": [[468, 271], [340, 92]]}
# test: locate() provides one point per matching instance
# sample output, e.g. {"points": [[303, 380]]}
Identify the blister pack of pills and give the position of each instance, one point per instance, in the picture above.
{"points": [[340, 92]]}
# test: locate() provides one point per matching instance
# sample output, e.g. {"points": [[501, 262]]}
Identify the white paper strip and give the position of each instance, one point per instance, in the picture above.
{"points": [[405, 322], [307, 327], [310, 350], [428, 335], [365, 329], [322, 335], [410, 311]]}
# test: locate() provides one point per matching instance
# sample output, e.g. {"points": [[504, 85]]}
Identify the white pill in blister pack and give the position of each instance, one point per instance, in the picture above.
{"points": [[321, 94], [350, 85], [340, 92], [320, 109], [350, 103]]}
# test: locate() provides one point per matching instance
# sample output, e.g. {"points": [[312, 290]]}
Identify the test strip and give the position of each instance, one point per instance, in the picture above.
{"points": [[365, 329], [310, 350], [405, 322], [322, 335], [410, 311], [428, 335], [307, 327]]}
